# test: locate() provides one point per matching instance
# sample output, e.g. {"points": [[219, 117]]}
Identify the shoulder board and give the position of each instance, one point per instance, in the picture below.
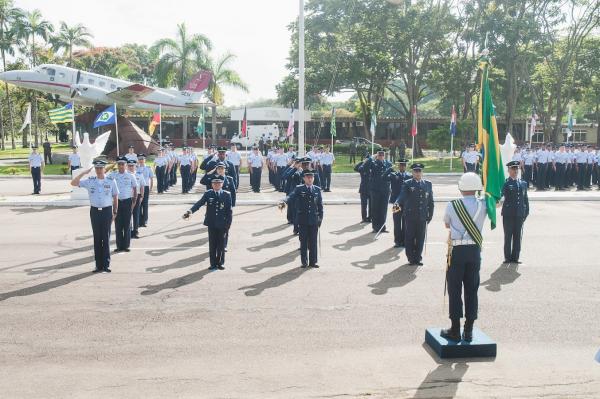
{"points": [[92, 178]]}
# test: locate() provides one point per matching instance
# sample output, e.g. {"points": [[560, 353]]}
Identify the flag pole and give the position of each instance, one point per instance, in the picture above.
{"points": [[160, 124], [451, 150], [301, 77], [203, 130], [412, 155], [116, 127], [73, 125]]}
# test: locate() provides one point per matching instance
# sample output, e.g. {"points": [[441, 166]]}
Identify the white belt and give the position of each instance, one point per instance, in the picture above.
{"points": [[463, 242]]}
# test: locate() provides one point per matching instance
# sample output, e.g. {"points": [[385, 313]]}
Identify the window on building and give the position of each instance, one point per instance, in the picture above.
{"points": [[101, 83], [91, 81], [538, 137], [578, 136]]}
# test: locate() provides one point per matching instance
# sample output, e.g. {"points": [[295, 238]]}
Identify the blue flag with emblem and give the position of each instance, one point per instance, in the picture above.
{"points": [[106, 117]]}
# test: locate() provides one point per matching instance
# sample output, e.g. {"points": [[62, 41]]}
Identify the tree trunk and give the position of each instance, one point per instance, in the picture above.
{"points": [[597, 124], [1, 127], [9, 103], [34, 118]]}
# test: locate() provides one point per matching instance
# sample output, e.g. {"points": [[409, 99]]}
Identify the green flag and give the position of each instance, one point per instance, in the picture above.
{"points": [[200, 129], [62, 114], [332, 131], [488, 144]]}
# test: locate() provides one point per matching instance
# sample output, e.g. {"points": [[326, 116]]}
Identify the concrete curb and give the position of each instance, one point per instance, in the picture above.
{"points": [[64, 203]]}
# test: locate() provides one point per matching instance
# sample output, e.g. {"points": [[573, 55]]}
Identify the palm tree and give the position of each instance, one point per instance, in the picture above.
{"points": [[70, 36], [10, 19], [33, 25], [177, 57], [222, 76]]}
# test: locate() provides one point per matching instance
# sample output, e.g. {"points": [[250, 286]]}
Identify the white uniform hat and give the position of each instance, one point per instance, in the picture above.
{"points": [[470, 182]]}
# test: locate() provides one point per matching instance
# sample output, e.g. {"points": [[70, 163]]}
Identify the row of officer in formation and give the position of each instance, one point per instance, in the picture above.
{"points": [[560, 166], [120, 196]]}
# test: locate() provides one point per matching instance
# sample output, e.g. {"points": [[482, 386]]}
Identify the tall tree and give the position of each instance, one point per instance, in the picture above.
{"points": [[223, 75], [10, 18], [179, 57], [70, 36]]}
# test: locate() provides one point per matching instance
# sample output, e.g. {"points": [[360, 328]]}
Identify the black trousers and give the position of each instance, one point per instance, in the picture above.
{"points": [[588, 175], [74, 168], [379, 206], [160, 178], [101, 226], [308, 243], [414, 239], [144, 206], [352, 157], [470, 167], [398, 228], [237, 176], [255, 177], [173, 179], [464, 273], [528, 175], [559, 180], [216, 245], [48, 157], [540, 179], [581, 172], [365, 206], [326, 177], [123, 224], [185, 178], [136, 214], [36, 175], [513, 229], [279, 178]]}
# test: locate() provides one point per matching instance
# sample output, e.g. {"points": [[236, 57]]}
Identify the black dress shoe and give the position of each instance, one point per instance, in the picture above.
{"points": [[127, 250], [419, 263], [106, 270], [136, 236], [304, 266], [467, 336], [117, 250], [506, 261], [398, 245], [221, 267], [212, 268], [516, 261], [315, 266], [143, 225], [451, 334], [96, 270]]}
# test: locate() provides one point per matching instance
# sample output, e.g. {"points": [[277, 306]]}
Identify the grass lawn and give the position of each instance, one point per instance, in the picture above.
{"points": [[432, 165], [21, 169], [24, 152]]}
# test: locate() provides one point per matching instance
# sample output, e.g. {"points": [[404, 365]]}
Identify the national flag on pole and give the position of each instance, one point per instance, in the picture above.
{"points": [[106, 117], [244, 125], [532, 123], [290, 129], [373, 125], [62, 114], [154, 122], [488, 144], [453, 122], [332, 129], [201, 128], [413, 130], [27, 120], [570, 124]]}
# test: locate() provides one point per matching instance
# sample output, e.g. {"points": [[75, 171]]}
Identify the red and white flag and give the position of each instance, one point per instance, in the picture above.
{"points": [[413, 130], [290, 129], [244, 125]]}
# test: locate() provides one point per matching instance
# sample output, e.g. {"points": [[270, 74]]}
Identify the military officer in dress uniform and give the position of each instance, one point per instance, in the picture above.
{"points": [[235, 158], [222, 158], [255, 165], [127, 185], [364, 189], [74, 161], [326, 160], [515, 210], [185, 167], [131, 153], [103, 194], [228, 182], [470, 159], [36, 167], [218, 219], [397, 180], [148, 185], [309, 215], [416, 203], [464, 218], [379, 185], [137, 202], [160, 170]]}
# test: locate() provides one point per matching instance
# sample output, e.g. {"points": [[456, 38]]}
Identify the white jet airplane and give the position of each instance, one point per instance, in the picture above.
{"points": [[86, 88]]}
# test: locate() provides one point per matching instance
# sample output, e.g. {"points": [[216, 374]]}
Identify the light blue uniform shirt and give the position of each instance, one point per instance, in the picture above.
{"points": [[581, 157], [517, 156], [327, 158], [185, 160], [161, 161], [125, 183], [140, 180], [36, 160], [281, 160], [147, 172], [255, 160], [75, 159], [562, 157], [101, 192], [471, 157], [131, 156], [234, 157], [477, 210], [542, 156]]}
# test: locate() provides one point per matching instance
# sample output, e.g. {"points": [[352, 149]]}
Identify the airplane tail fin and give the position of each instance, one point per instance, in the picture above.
{"points": [[198, 84]]}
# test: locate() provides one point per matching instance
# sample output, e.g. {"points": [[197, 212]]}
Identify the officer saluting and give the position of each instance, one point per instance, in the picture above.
{"points": [[103, 194], [218, 219], [416, 203], [309, 215], [397, 180], [464, 217], [515, 210]]}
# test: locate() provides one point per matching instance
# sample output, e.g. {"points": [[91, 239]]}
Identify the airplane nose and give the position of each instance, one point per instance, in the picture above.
{"points": [[9, 76]]}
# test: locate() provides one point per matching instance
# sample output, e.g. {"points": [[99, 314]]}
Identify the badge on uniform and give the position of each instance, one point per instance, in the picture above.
{"points": [[412, 188]]}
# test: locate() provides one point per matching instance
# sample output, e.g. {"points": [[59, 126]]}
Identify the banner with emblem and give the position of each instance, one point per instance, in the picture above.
{"points": [[106, 117]]}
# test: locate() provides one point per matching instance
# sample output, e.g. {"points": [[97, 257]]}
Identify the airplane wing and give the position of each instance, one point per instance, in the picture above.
{"points": [[130, 94]]}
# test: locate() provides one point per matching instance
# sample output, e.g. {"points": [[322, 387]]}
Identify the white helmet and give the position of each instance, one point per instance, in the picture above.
{"points": [[470, 182]]}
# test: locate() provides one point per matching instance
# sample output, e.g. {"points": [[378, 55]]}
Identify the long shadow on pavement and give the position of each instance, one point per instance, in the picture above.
{"points": [[23, 211], [271, 244], [273, 282], [175, 283], [179, 247], [271, 230], [504, 275], [277, 261], [395, 279], [180, 264], [350, 229], [59, 266], [362, 240], [388, 256], [443, 381], [43, 287]]}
